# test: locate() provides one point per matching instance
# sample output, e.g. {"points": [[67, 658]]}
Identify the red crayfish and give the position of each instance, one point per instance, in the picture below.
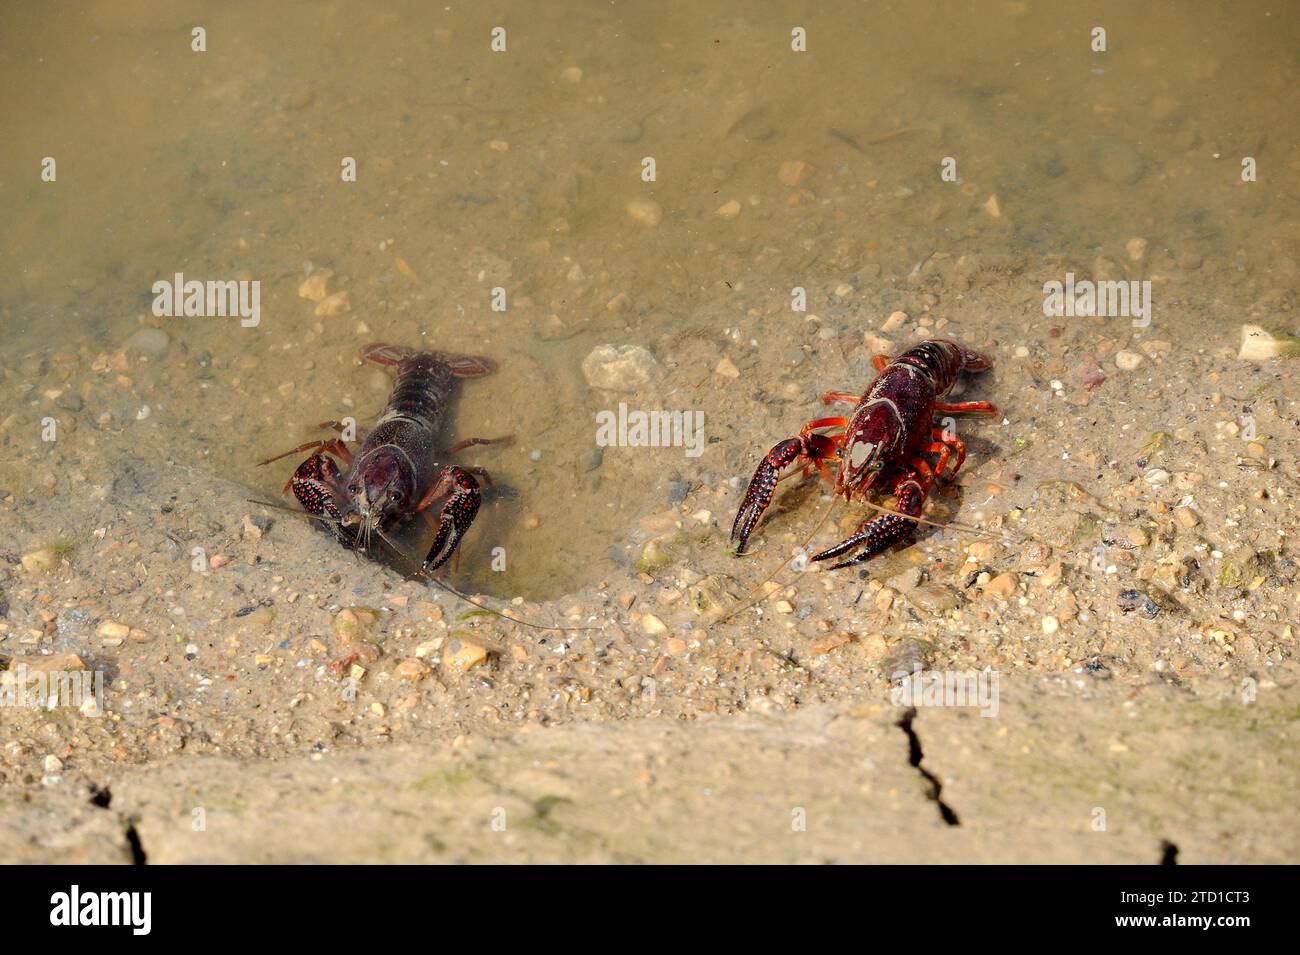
{"points": [[887, 436], [396, 472]]}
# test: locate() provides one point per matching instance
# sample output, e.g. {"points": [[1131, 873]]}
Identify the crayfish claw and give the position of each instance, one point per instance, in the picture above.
{"points": [[758, 495], [880, 533], [456, 516], [315, 484]]}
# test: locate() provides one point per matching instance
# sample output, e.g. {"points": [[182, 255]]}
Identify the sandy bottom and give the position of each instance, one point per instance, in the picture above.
{"points": [[271, 696]]}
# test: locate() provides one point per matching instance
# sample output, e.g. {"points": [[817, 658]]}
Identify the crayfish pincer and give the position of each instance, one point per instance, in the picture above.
{"points": [[887, 438], [397, 472]]}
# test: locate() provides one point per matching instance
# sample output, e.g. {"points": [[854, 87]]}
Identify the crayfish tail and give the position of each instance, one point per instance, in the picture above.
{"points": [[382, 354], [972, 361], [469, 366]]}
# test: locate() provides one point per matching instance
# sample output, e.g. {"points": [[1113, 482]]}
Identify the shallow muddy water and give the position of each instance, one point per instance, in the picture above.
{"points": [[514, 170]]}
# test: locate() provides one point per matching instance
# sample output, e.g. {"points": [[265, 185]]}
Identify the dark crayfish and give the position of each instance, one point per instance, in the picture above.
{"points": [[886, 438], [397, 472]]}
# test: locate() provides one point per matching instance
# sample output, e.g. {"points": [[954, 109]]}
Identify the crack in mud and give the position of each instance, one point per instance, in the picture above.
{"points": [[915, 755], [133, 842], [101, 797]]}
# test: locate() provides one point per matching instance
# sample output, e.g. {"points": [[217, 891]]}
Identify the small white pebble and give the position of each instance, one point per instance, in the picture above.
{"points": [[645, 211], [893, 321], [1127, 360]]}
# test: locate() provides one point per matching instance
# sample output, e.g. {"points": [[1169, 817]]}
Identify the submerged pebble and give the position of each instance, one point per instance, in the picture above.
{"points": [[619, 367], [39, 561], [151, 341], [1127, 360], [645, 211], [1259, 344]]}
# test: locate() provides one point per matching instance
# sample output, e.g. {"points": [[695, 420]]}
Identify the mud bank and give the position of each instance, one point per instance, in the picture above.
{"points": [[233, 734]]}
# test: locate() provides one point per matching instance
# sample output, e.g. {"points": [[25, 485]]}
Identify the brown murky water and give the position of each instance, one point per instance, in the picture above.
{"points": [[477, 170]]}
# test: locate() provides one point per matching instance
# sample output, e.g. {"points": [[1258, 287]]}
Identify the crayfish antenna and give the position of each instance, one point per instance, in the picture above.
{"points": [[307, 515], [425, 574], [955, 525], [397, 551], [782, 566]]}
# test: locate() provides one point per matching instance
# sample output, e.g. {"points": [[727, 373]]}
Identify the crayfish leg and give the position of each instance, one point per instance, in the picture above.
{"points": [[969, 407], [471, 442], [325, 446], [816, 423], [338, 426], [944, 450], [949, 441], [831, 397]]}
